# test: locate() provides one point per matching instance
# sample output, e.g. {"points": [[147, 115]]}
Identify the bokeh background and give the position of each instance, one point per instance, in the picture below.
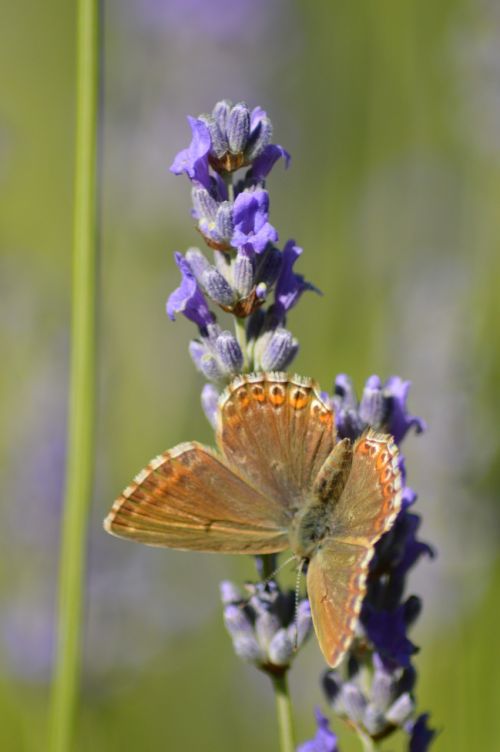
{"points": [[391, 111]]}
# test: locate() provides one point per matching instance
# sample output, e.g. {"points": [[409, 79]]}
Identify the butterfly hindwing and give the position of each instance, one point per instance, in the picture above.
{"points": [[277, 431], [336, 583], [188, 498]]}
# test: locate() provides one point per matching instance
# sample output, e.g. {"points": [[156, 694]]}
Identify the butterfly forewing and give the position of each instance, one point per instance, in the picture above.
{"points": [[366, 509], [277, 431], [188, 498]]}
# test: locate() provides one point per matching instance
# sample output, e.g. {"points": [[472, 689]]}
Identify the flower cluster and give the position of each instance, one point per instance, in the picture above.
{"points": [[249, 276], [373, 690], [268, 627]]}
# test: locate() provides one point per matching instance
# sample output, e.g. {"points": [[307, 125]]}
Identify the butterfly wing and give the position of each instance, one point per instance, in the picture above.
{"points": [[277, 431], [336, 579], [188, 498], [337, 573]]}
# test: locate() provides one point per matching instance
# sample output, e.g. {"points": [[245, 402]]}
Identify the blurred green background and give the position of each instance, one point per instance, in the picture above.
{"points": [[392, 113]]}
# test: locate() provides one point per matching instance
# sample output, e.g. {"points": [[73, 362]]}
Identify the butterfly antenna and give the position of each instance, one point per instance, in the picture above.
{"points": [[297, 598], [278, 569]]}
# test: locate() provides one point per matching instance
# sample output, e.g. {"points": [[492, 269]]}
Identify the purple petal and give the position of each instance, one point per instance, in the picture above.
{"points": [[399, 421], [264, 163], [252, 230], [324, 741], [290, 286], [188, 299], [387, 631], [421, 735], [194, 160]]}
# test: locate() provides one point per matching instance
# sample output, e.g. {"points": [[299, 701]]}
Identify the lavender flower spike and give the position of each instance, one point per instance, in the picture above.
{"points": [[188, 299]]}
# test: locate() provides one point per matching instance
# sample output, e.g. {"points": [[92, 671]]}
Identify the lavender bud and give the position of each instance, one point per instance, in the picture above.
{"points": [[269, 266], [279, 351], [217, 136], [197, 350], [371, 407], [281, 649], [373, 720], [237, 621], [229, 353], [210, 368], [267, 625], [243, 274], [221, 112], [401, 710], [354, 702], [382, 690], [247, 648], [260, 137], [229, 593], [224, 220], [217, 287], [209, 403], [205, 206], [238, 128], [222, 263], [197, 262]]}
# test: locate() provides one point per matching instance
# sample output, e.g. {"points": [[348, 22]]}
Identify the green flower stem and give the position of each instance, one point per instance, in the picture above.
{"points": [[284, 713], [367, 743], [79, 478], [241, 337]]}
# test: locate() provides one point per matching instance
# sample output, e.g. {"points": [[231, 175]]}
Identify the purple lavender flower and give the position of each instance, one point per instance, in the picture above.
{"points": [[324, 741], [289, 286], [265, 629], [420, 735], [188, 299], [398, 420], [194, 160], [265, 162], [252, 229]]}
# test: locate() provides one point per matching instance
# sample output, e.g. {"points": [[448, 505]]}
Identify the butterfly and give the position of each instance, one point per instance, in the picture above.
{"points": [[279, 480]]}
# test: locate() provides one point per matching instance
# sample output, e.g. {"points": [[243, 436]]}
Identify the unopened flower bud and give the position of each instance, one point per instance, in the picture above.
{"points": [[209, 403], [238, 128], [243, 274], [205, 206], [371, 407], [229, 353], [260, 137], [279, 351], [217, 287]]}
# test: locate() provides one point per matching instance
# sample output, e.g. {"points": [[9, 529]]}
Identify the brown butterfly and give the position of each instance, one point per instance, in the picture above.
{"points": [[280, 480]]}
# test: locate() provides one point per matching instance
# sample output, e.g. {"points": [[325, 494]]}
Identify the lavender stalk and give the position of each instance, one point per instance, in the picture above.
{"points": [[252, 278]]}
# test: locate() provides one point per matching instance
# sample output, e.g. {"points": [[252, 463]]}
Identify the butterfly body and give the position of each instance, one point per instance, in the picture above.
{"points": [[280, 480]]}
